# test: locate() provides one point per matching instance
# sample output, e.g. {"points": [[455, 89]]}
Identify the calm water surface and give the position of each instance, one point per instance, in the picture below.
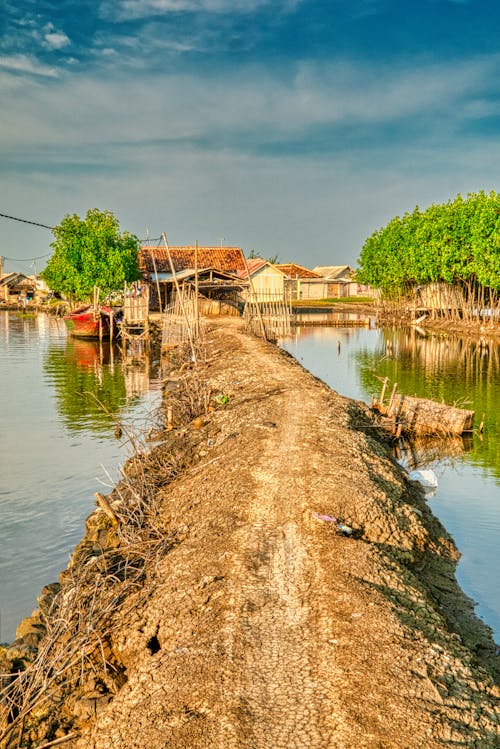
{"points": [[57, 447], [352, 361]]}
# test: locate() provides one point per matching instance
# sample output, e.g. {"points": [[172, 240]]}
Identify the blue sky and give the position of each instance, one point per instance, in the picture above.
{"points": [[289, 127]]}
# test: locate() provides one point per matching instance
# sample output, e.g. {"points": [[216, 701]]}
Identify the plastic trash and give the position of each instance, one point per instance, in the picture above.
{"points": [[345, 529], [326, 518], [425, 477]]}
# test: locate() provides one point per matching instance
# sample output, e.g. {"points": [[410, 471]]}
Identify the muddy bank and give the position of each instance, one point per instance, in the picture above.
{"points": [[209, 606]]}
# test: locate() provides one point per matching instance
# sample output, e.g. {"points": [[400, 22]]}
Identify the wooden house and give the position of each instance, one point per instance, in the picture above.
{"points": [[16, 288], [303, 283], [341, 282], [268, 282], [218, 270]]}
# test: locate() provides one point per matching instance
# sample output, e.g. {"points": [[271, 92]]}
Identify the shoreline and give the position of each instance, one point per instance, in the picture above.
{"points": [[249, 599]]}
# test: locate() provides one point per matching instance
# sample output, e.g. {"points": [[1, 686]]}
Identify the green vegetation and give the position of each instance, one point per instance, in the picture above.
{"points": [[89, 395], [457, 242], [328, 302], [91, 252], [253, 255]]}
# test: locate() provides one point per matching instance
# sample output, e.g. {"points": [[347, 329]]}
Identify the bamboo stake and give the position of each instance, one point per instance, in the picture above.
{"points": [[179, 296], [382, 392], [252, 290], [196, 306], [157, 281]]}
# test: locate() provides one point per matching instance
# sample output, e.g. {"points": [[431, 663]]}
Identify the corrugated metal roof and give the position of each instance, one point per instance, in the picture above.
{"points": [[333, 271], [223, 258], [297, 271]]}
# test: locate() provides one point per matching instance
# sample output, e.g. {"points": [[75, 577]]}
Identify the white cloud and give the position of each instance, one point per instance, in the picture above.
{"points": [[56, 40], [250, 107], [27, 64], [134, 9], [177, 152]]}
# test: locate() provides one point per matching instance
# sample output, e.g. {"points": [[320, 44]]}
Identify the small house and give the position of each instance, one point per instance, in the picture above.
{"points": [[16, 288], [217, 268], [341, 282], [303, 283], [268, 282]]}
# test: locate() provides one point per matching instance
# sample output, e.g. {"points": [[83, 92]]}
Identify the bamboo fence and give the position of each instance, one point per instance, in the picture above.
{"points": [[270, 310]]}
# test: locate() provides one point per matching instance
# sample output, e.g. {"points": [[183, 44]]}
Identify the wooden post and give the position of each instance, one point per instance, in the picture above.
{"points": [[156, 278], [179, 296], [382, 392], [196, 307], [391, 399], [252, 290]]}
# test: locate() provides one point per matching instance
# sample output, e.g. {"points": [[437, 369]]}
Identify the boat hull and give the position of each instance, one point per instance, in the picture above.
{"points": [[89, 323]]}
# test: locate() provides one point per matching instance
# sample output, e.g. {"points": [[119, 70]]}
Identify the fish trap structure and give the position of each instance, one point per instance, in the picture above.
{"points": [[268, 315], [181, 323], [135, 321], [420, 416]]}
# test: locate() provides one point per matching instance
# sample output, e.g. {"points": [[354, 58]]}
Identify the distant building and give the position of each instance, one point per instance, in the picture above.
{"points": [[16, 288], [341, 282], [268, 281], [218, 268]]}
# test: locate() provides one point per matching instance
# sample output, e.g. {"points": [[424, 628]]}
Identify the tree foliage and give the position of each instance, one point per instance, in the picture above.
{"points": [[455, 242], [91, 252]]}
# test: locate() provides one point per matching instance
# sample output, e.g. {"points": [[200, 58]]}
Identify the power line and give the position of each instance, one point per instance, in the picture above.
{"points": [[25, 221], [26, 259], [44, 226]]}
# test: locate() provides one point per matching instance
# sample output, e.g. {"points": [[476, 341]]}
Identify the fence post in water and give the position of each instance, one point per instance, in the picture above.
{"points": [[179, 296], [252, 291]]}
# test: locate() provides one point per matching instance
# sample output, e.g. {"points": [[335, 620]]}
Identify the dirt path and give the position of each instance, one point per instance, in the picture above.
{"points": [[266, 628]]}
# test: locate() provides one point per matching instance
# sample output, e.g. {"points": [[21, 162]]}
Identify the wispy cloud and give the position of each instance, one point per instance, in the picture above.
{"points": [[135, 9], [27, 64], [251, 109]]}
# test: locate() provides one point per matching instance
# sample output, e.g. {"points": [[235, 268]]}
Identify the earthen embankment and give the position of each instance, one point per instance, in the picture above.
{"points": [[238, 613]]}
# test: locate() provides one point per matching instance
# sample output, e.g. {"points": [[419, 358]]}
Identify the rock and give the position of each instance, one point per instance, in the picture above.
{"points": [[47, 596]]}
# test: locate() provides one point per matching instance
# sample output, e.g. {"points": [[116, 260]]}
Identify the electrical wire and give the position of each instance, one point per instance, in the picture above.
{"points": [[25, 221], [45, 226]]}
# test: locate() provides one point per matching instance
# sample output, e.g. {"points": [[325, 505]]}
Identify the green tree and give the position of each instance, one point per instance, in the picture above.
{"points": [[457, 242], [253, 255], [91, 252]]}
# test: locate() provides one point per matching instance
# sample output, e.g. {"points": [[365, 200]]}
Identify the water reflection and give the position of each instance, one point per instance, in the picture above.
{"points": [[459, 372], [455, 371], [57, 447], [425, 451], [93, 381]]}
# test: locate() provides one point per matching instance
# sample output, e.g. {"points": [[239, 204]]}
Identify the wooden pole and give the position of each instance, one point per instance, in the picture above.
{"points": [[196, 306], [252, 290], [179, 297], [157, 281], [382, 392]]}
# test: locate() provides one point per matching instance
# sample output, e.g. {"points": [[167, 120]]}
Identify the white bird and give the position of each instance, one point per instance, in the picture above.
{"points": [[426, 477]]}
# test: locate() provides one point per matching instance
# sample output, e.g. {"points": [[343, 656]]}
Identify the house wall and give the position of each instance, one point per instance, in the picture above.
{"points": [[268, 284], [306, 288]]}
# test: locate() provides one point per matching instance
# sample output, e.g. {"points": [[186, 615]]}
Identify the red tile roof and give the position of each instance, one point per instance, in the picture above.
{"points": [[297, 271], [222, 258]]}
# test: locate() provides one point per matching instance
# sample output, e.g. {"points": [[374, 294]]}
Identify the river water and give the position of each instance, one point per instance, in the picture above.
{"points": [[354, 360], [57, 447], [58, 442]]}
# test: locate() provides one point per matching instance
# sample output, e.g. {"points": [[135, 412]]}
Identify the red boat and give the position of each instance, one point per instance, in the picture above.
{"points": [[89, 322]]}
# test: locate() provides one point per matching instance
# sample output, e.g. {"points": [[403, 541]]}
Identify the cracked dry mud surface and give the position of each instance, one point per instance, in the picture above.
{"points": [[271, 629]]}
